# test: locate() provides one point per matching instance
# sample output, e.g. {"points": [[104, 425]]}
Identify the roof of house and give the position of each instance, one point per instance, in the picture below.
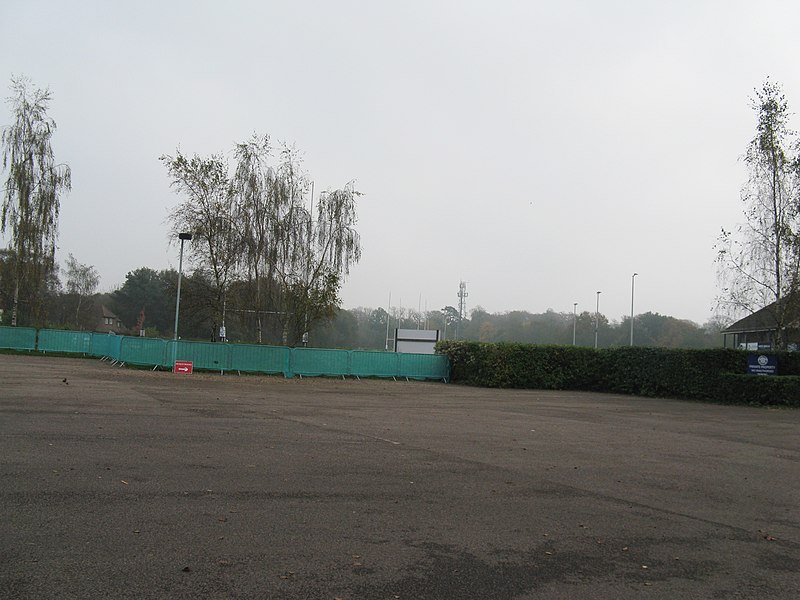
{"points": [[108, 314], [761, 320]]}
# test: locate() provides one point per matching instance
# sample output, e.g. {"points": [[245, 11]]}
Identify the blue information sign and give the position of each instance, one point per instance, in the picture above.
{"points": [[762, 364]]}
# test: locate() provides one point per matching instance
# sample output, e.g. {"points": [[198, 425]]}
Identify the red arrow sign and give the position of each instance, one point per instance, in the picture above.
{"points": [[182, 366]]}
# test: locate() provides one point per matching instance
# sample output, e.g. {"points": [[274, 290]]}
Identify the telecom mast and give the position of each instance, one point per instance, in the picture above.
{"points": [[462, 305]]}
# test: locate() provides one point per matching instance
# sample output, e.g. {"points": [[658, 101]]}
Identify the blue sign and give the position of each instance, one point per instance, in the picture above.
{"points": [[762, 364]]}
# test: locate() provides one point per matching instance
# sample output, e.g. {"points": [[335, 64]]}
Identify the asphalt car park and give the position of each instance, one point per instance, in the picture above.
{"points": [[124, 483]]}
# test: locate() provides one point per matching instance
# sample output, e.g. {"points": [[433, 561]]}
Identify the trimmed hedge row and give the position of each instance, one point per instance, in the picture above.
{"points": [[718, 375]]}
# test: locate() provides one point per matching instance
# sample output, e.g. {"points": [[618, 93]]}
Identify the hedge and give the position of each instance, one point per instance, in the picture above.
{"points": [[717, 375]]}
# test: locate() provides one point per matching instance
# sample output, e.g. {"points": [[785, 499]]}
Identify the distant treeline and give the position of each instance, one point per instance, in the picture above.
{"points": [[152, 293], [366, 328]]}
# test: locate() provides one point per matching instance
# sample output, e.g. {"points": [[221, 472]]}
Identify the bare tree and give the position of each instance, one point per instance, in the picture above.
{"points": [[31, 197], [82, 280]]}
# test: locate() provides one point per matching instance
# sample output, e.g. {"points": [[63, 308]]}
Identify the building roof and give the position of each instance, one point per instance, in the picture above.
{"points": [[108, 314], [761, 320]]}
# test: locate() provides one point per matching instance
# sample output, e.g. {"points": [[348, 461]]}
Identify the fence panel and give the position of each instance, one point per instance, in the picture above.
{"points": [[317, 361], [18, 338], [72, 342], [424, 366], [106, 344], [259, 359], [204, 355], [143, 351], [375, 364]]}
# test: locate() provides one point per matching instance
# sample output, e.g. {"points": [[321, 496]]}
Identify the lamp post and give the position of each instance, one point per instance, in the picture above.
{"points": [[183, 237], [574, 320], [596, 320], [633, 279]]}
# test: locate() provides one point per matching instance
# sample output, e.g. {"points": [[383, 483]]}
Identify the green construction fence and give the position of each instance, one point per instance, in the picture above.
{"points": [[290, 362]]}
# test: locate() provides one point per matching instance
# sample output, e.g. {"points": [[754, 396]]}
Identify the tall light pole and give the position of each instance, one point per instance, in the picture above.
{"points": [[183, 237], [633, 279], [574, 320], [388, 317], [596, 320]]}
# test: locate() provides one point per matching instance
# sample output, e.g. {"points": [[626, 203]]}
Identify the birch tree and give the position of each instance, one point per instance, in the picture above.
{"points": [[759, 262], [32, 193], [207, 212], [254, 186], [82, 281]]}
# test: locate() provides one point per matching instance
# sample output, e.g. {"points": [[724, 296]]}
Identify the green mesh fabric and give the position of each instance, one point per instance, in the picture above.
{"points": [[424, 366], [105, 344], [204, 355], [259, 359], [18, 338], [143, 351], [306, 362], [74, 342], [318, 361], [375, 364]]}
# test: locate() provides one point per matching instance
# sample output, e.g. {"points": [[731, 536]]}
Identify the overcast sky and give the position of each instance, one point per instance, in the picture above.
{"points": [[539, 151]]}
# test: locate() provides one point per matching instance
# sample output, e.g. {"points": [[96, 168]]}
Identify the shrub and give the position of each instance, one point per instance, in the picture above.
{"points": [[715, 374]]}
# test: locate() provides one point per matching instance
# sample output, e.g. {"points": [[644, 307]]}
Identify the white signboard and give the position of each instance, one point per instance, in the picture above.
{"points": [[415, 341]]}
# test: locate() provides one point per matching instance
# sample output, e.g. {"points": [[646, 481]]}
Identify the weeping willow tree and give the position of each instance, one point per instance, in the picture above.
{"points": [[31, 196], [303, 258], [261, 237], [334, 245], [254, 187]]}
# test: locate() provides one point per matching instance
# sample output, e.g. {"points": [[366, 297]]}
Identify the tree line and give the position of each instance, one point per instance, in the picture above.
{"points": [[147, 300]]}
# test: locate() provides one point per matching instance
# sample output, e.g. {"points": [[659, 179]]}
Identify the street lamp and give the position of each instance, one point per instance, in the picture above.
{"points": [[596, 320], [633, 279], [574, 320], [183, 237]]}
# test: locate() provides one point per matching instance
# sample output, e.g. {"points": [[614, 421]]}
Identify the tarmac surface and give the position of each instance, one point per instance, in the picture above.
{"points": [[122, 483]]}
